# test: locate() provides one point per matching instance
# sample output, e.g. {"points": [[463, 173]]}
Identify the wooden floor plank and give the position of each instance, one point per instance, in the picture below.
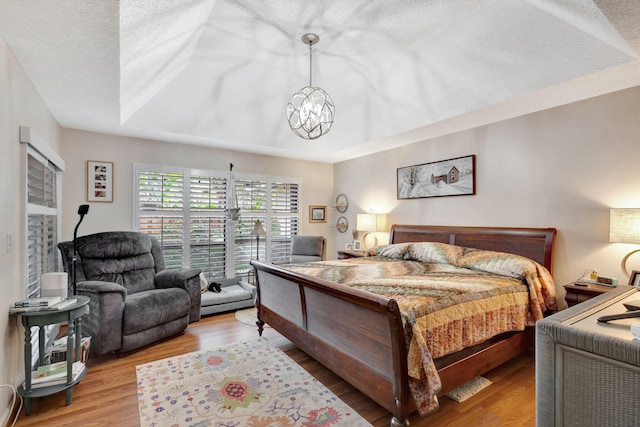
{"points": [[107, 395]]}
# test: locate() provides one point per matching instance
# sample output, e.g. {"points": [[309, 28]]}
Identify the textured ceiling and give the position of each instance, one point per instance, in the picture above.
{"points": [[220, 72]]}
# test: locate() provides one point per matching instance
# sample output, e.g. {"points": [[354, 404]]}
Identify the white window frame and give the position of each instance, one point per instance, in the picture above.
{"points": [[36, 147]]}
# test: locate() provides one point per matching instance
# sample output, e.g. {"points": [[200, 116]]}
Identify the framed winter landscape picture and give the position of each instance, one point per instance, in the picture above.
{"points": [[452, 177]]}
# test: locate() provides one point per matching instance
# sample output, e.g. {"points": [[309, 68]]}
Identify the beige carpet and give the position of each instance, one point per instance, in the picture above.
{"points": [[249, 383], [468, 389]]}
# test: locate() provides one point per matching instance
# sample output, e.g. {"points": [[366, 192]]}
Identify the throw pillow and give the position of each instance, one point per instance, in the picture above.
{"points": [[204, 284]]}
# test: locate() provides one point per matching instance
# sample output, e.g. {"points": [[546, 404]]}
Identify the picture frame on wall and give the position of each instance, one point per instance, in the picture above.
{"points": [[99, 181], [451, 177], [317, 214]]}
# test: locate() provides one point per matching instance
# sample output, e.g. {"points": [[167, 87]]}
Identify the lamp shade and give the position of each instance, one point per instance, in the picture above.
{"points": [[624, 226], [371, 222], [258, 229]]}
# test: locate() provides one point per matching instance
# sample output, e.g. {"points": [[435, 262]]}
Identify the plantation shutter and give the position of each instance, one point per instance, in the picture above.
{"points": [[284, 219], [161, 212], [207, 237], [42, 221], [186, 210], [252, 201]]}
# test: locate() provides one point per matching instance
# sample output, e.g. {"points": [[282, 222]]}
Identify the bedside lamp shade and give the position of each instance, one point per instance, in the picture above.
{"points": [[371, 222], [624, 227]]}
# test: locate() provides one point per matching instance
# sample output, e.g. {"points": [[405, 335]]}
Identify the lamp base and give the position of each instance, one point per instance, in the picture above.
{"points": [[364, 241], [624, 262]]}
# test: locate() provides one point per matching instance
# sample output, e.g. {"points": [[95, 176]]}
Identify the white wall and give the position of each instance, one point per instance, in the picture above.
{"points": [[20, 105], [124, 152], [563, 168]]}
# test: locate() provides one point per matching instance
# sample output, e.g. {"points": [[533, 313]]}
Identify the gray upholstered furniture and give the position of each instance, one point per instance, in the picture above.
{"points": [[134, 299], [306, 248], [234, 295], [588, 372]]}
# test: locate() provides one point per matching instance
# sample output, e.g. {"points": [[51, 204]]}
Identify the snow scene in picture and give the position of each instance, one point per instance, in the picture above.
{"points": [[453, 177]]}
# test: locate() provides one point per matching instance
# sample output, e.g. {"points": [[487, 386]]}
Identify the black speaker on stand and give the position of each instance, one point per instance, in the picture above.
{"points": [[82, 211]]}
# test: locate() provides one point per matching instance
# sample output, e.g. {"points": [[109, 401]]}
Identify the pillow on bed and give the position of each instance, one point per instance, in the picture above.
{"points": [[433, 252], [394, 251]]}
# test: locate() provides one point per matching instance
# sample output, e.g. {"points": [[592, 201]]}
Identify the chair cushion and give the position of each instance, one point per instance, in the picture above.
{"points": [[121, 257], [226, 295], [298, 259], [148, 309]]}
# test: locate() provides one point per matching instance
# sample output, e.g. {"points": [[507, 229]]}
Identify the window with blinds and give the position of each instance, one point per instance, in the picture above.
{"points": [[186, 211], [284, 219], [42, 220], [207, 224], [160, 212]]}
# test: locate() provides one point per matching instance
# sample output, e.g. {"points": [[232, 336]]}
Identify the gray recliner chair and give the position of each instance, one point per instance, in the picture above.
{"points": [[306, 249], [134, 300]]}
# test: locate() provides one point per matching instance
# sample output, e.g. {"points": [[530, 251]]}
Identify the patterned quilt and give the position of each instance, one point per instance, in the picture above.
{"points": [[450, 298]]}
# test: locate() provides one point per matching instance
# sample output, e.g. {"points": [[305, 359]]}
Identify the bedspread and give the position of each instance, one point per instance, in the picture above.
{"points": [[450, 298]]}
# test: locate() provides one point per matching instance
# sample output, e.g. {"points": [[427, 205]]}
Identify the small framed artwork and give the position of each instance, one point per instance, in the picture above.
{"points": [[357, 245], [317, 214], [634, 280], [99, 181], [452, 177], [348, 247]]}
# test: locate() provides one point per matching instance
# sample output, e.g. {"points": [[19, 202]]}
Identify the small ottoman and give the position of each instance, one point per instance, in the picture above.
{"points": [[234, 294]]}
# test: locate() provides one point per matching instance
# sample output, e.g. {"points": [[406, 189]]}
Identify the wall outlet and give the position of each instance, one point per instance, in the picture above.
{"points": [[9, 243]]}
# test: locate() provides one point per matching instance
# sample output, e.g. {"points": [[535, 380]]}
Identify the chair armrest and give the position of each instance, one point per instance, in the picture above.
{"points": [[248, 287], [175, 277], [104, 320], [99, 287], [187, 279]]}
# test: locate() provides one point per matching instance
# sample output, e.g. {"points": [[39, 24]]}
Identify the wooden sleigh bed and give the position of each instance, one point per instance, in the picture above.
{"points": [[371, 354]]}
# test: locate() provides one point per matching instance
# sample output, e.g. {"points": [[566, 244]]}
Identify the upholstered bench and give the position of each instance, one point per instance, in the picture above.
{"points": [[234, 294]]}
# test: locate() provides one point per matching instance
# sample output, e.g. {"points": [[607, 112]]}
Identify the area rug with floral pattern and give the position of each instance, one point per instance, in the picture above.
{"points": [[249, 383]]}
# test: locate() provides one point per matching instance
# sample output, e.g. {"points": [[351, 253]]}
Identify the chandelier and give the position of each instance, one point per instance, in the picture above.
{"points": [[310, 110]]}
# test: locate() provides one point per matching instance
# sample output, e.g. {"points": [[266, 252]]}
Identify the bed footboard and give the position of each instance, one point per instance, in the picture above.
{"points": [[357, 335]]}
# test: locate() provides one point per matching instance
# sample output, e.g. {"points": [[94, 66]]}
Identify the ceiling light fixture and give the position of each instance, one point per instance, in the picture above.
{"points": [[310, 111]]}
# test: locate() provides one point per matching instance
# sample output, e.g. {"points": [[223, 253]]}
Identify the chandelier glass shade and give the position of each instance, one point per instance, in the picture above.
{"points": [[310, 111]]}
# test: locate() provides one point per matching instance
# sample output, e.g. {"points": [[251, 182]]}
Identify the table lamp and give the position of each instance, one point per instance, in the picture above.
{"points": [[371, 223], [624, 227]]}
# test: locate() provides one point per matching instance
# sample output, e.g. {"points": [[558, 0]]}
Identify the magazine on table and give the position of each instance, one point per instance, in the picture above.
{"points": [[54, 307], [39, 302], [54, 374]]}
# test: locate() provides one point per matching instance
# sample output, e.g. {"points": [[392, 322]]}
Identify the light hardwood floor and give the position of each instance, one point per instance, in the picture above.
{"points": [[107, 395]]}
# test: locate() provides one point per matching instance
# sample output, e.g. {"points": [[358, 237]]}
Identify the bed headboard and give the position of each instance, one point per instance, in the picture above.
{"points": [[534, 243]]}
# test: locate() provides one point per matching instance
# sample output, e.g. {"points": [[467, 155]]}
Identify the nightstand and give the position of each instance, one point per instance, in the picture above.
{"points": [[579, 293], [72, 316], [350, 254]]}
